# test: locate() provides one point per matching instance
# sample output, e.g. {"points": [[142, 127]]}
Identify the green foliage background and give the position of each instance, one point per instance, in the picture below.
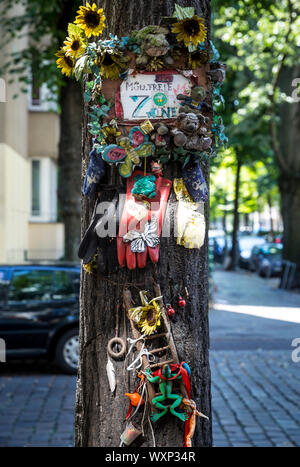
{"points": [[256, 40]]}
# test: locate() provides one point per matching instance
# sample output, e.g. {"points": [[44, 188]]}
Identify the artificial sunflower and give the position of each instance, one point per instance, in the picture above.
{"points": [[65, 62], [91, 20], [191, 31], [111, 64], [150, 322], [76, 43], [111, 134], [147, 316]]}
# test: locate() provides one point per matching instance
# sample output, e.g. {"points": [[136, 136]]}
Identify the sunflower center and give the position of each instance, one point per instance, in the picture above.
{"points": [[191, 27], [150, 317], [75, 45], [107, 61], [68, 61], [196, 56], [110, 139], [92, 19]]}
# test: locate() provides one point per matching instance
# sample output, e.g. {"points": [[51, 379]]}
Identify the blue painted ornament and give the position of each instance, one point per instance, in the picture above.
{"points": [[195, 182], [95, 172]]}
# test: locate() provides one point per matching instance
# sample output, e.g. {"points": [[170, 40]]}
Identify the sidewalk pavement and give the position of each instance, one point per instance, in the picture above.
{"points": [[36, 409], [255, 383]]}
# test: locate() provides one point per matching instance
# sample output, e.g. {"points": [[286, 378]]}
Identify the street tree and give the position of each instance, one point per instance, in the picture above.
{"points": [[261, 41], [99, 413]]}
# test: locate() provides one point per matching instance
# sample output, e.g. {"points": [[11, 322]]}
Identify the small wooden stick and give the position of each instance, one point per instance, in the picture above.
{"points": [[136, 335]]}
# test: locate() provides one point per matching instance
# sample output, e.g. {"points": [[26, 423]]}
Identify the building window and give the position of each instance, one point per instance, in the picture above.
{"points": [[40, 98], [35, 188], [35, 93], [43, 190]]}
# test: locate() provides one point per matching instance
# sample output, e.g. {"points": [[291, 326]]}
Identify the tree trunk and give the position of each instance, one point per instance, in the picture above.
{"points": [[271, 219], [289, 179], [69, 162], [234, 251], [99, 414], [290, 202]]}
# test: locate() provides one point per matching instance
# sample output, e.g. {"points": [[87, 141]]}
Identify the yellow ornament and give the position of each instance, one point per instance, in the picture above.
{"points": [[190, 222], [146, 127]]}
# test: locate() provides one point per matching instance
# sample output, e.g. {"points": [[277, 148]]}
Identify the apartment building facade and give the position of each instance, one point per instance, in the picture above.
{"points": [[29, 136]]}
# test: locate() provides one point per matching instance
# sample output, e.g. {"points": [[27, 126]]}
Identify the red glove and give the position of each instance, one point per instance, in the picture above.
{"points": [[140, 226]]}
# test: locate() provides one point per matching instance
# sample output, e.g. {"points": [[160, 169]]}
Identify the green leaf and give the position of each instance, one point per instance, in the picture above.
{"points": [[164, 159], [192, 48], [87, 96], [74, 29], [187, 160], [183, 13], [81, 67], [90, 85]]}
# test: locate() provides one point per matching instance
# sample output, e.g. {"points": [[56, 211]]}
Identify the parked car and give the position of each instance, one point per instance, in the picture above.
{"points": [[217, 243], [266, 259], [246, 245], [39, 312]]}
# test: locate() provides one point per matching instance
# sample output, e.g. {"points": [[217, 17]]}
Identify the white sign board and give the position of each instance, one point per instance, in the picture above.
{"points": [[152, 95]]}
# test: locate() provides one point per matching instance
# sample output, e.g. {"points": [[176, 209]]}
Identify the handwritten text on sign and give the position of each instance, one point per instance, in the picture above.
{"points": [[152, 95]]}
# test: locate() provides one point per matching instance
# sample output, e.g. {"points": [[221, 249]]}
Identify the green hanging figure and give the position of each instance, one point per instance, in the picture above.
{"points": [[165, 380]]}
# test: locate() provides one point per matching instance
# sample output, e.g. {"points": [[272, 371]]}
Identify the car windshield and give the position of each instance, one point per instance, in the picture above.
{"points": [[4, 283], [270, 250]]}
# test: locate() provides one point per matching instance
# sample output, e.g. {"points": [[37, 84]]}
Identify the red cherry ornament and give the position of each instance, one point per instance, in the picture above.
{"points": [[170, 311], [181, 302]]}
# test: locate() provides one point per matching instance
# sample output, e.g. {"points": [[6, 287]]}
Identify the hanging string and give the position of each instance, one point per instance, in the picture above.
{"points": [[152, 432], [138, 361]]}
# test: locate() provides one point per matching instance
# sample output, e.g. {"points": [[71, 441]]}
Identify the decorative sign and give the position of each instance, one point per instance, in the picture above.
{"points": [[152, 95]]}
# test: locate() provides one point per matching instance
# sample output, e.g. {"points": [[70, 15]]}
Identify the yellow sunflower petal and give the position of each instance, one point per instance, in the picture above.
{"points": [[75, 45], [65, 62], [91, 19], [190, 30]]}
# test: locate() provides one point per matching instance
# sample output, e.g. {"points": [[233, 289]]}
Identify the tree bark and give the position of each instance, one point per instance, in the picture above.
{"points": [[289, 178], [99, 414], [69, 163]]}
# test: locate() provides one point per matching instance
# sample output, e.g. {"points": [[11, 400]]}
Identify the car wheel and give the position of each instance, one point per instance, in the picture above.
{"points": [[67, 352]]}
